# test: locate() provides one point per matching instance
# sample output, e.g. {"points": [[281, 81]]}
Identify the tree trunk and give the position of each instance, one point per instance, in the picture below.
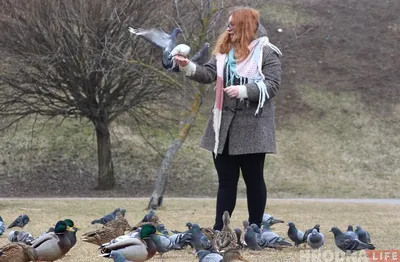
{"points": [[106, 178], [156, 198]]}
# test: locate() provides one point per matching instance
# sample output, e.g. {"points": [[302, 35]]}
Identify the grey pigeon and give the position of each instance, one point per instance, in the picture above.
{"points": [[181, 239], [2, 226], [251, 240], [316, 239], [350, 232], [208, 256], [161, 228], [272, 238], [20, 221], [296, 235], [202, 56], [363, 235], [20, 236], [238, 233], [163, 244], [346, 243], [309, 231], [161, 39], [198, 240], [116, 256], [107, 218], [271, 220]]}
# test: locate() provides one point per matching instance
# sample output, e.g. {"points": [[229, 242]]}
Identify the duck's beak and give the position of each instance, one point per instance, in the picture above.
{"points": [[70, 229]]}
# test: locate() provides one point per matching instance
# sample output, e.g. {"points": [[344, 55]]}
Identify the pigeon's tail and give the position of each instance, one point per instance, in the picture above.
{"points": [[369, 246], [96, 221], [284, 243]]}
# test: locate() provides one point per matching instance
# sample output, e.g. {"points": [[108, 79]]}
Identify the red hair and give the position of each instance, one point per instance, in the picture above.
{"points": [[246, 24]]}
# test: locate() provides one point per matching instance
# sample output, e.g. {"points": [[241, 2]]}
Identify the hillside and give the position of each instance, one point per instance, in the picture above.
{"points": [[337, 119]]}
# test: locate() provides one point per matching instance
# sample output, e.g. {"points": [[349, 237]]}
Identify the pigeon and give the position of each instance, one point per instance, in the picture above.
{"points": [[316, 239], [363, 235], [163, 244], [181, 240], [202, 56], [20, 221], [198, 240], [116, 256], [208, 256], [309, 231], [107, 218], [296, 235], [20, 236], [161, 39], [271, 220], [347, 244], [230, 254], [351, 233], [2, 226], [272, 238], [161, 228], [238, 233], [251, 240]]}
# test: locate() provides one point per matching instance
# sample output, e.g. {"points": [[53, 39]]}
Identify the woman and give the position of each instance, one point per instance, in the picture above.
{"points": [[241, 127]]}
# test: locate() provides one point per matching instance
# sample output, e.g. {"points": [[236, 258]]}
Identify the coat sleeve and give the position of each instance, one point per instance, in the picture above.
{"points": [[271, 68], [206, 73]]}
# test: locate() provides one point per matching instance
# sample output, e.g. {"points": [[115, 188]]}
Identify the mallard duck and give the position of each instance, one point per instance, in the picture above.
{"points": [[53, 245], [225, 238], [19, 252], [71, 235], [108, 232], [135, 249]]}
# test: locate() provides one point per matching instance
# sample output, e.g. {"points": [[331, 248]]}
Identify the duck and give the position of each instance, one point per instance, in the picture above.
{"points": [[71, 235], [226, 238], [137, 249], [111, 230], [17, 251], [53, 245]]}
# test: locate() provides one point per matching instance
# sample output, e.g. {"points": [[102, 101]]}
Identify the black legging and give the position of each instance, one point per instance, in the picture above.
{"points": [[228, 168]]}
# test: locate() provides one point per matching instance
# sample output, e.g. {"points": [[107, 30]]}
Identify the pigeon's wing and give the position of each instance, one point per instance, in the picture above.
{"points": [[155, 36]]}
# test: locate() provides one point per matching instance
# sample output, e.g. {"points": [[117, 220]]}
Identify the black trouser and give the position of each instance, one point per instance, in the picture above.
{"points": [[228, 168]]}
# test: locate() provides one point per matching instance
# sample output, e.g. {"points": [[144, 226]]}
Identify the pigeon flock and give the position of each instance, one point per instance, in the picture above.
{"points": [[116, 239]]}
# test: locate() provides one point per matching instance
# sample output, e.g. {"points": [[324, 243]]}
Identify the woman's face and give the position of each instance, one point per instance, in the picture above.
{"points": [[231, 27]]}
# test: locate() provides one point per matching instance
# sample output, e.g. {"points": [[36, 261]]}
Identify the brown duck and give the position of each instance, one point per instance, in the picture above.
{"points": [[17, 252]]}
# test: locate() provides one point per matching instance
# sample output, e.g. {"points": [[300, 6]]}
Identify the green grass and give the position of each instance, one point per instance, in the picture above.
{"points": [[175, 213]]}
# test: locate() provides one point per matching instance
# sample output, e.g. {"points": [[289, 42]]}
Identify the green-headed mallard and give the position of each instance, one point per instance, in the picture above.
{"points": [[226, 238], [71, 235], [17, 252], [132, 248], [53, 245], [108, 232]]}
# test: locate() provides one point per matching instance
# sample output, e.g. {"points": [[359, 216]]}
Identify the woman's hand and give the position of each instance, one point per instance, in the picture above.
{"points": [[232, 91], [181, 61]]}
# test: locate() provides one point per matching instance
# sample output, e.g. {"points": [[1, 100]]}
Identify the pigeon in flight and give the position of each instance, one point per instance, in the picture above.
{"points": [[161, 39]]}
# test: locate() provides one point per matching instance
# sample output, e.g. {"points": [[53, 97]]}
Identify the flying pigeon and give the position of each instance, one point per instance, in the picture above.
{"points": [[296, 235], [363, 235], [107, 218], [20, 236], [20, 221], [161, 39], [2, 226], [347, 244], [316, 239]]}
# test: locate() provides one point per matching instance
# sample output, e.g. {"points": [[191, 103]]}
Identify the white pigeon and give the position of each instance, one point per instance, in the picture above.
{"points": [[180, 49]]}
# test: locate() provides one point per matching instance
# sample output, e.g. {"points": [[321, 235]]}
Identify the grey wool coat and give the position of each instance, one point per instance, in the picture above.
{"points": [[247, 133]]}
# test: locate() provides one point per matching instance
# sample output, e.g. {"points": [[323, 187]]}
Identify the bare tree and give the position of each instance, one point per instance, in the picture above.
{"points": [[69, 58]]}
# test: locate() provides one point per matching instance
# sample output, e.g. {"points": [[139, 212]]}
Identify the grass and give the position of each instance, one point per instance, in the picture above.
{"points": [[176, 212]]}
